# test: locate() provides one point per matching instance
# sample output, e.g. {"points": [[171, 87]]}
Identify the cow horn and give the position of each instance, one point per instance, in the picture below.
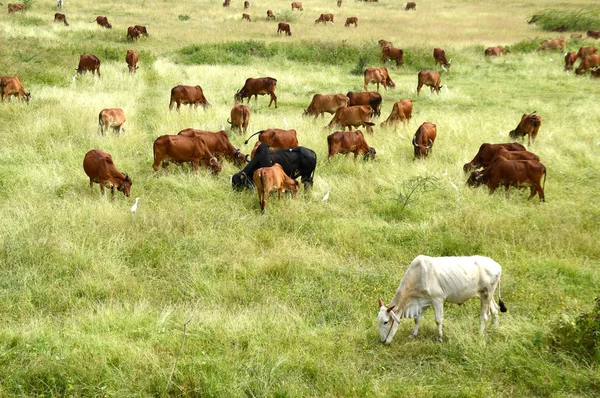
{"points": [[229, 121], [381, 303], [248, 158], [390, 308], [430, 143], [213, 159], [414, 141]]}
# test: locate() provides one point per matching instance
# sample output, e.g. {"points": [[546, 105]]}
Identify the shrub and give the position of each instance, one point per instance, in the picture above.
{"points": [[526, 46], [580, 20], [28, 4], [360, 66], [184, 17], [288, 16]]}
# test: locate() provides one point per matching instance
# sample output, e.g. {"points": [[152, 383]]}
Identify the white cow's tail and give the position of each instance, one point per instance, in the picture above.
{"points": [[500, 302]]}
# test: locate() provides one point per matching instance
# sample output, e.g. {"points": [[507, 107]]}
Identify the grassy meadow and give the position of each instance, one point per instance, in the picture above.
{"points": [[94, 299]]}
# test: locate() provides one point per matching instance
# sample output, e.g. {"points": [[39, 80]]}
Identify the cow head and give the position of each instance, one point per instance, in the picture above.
{"points": [[475, 179], [214, 165], [108, 26], [239, 159], [421, 151], [27, 97], [125, 186], [371, 154], [239, 96], [513, 134], [388, 322], [240, 181]]}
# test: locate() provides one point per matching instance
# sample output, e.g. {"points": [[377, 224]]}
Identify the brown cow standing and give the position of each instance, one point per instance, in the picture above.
{"points": [[378, 75], [268, 178], [487, 152], [495, 51], [256, 87], [424, 139], [411, 5], [240, 118], [11, 86], [246, 4], [329, 103], [131, 58], [528, 126], [88, 63], [593, 33], [588, 62], [275, 138], [142, 29], [132, 33], [218, 144], [188, 95], [283, 27], [353, 116], [515, 155], [390, 52], [401, 112], [325, 18], [339, 3], [370, 98], [297, 5], [439, 56], [12, 8], [58, 17], [553, 44], [103, 21], [182, 149], [270, 15], [384, 43], [585, 51], [430, 79], [226, 3], [346, 142], [99, 167], [111, 117], [350, 21], [246, 17], [570, 59]]}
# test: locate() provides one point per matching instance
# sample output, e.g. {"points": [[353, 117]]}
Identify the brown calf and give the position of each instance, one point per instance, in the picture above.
{"points": [[246, 17], [325, 18], [411, 5], [297, 5], [58, 17], [270, 15], [283, 27], [439, 56], [401, 112], [528, 126], [429, 78], [103, 21], [346, 142], [268, 178], [131, 58], [111, 117], [350, 21], [188, 95]]}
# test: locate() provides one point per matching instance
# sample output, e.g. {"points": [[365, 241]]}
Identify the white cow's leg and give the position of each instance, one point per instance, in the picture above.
{"points": [[494, 309], [416, 328], [485, 311], [438, 308]]}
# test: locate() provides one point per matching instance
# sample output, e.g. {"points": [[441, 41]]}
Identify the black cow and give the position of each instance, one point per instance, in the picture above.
{"points": [[296, 162]]}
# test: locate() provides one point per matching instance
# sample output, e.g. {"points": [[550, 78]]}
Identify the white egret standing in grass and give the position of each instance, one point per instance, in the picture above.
{"points": [[134, 207], [285, 122], [326, 195]]}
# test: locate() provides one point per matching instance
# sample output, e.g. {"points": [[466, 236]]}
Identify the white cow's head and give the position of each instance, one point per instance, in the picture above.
{"points": [[387, 322]]}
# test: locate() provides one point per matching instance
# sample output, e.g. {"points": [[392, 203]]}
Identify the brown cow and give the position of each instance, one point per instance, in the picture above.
{"points": [[439, 56], [188, 95], [590, 61], [12, 8], [11, 86], [515, 155], [270, 15], [111, 117], [226, 3], [391, 52], [246, 17], [99, 167], [350, 21], [256, 87], [339, 3], [142, 29], [585, 51], [103, 21], [576, 36], [88, 63], [593, 33], [595, 73], [495, 51], [275, 138], [182, 149], [283, 27], [411, 5], [430, 79], [487, 152], [329, 103], [570, 59], [346, 142], [246, 4], [378, 75], [218, 144], [553, 44], [268, 178], [423, 139], [528, 126], [133, 33], [58, 17], [370, 98], [240, 118], [131, 58], [297, 5], [353, 116], [325, 18], [384, 43], [401, 112]]}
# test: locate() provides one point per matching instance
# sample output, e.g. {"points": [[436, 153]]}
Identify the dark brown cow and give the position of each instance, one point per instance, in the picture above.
{"points": [[268, 178], [226, 3], [370, 98], [132, 33], [103, 21], [591, 61], [240, 118], [593, 33], [585, 51], [270, 15], [378, 75], [487, 152], [325, 18], [346, 142], [11, 86], [353, 116], [553, 44], [391, 52], [246, 4], [339, 3], [528, 126], [142, 29], [411, 5], [188, 95], [58, 17], [88, 63], [384, 43], [99, 167], [246, 17], [570, 59], [350, 21], [297, 5], [401, 112], [439, 56], [430, 79], [424, 139], [218, 144], [113, 118], [275, 138], [12, 8], [131, 58], [182, 149], [495, 51], [283, 27], [329, 103], [256, 87]]}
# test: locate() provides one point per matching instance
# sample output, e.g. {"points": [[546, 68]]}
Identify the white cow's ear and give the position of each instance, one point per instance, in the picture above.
{"points": [[394, 316]]}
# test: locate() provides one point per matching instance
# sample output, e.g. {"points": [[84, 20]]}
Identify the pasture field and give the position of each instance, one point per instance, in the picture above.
{"points": [[93, 298]]}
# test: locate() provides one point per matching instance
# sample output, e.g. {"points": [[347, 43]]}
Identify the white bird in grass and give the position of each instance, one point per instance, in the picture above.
{"points": [[285, 122], [446, 88], [222, 126], [134, 207], [326, 195]]}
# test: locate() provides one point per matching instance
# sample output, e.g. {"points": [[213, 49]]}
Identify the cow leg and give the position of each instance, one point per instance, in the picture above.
{"points": [[416, 327], [419, 88], [178, 104], [438, 308], [91, 186], [279, 191], [101, 188], [273, 98]]}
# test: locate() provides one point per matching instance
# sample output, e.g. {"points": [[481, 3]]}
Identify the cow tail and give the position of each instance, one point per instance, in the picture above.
{"points": [[245, 142], [544, 183], [500, 302]]}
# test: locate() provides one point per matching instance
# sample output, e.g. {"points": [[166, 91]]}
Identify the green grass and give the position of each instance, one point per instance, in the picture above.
{"points": [[581, 19], [94, 298]]}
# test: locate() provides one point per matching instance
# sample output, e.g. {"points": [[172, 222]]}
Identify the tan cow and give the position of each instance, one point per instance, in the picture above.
{"points": [[182, 149], [329, 103], [58, 17], [588, 62], [99, 167], [240, 118], [430, 79], [353, 116], [553, 44], [423, 139], [391, 52], [268, 178], [528, 126], [270, 15], [103, 21], [113, 118], [350, 21], [246, 17], [378, 75], [570, 59], [11, 86], [346, 142], [218, 144], [401, 112], [188, 95], [325, 18], [297, 5], [132, 59], [275, 138], [495, 51]]}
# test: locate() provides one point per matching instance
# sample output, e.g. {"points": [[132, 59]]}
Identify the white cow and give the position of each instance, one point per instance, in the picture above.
{"points": [[59, 3], [430, 281]]}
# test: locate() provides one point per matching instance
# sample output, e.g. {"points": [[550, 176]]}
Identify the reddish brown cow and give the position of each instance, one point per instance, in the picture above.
{"points": [[411, 5], [268, 178], [339, 3], [516, 155], [11, 86], [246, 17], [256, 87], [528, 126], [401, 112], [240, 118], [346, 142], [58, 17], [585, 51], [553, 44], [430, 79], [370, 98], [132, 33], [283, 27], [275, 138], [297, 5], [570, 59], [131, 58], [424, 139], [487, 152], [495, 51], [270, 15], [384, 43], [593, 33], [103, 21], [390, 52], [218, 144], [325, 18], [246, 4], [99, 167], [88, 63], [182, 149], [353, 116], [378, 75], [142, 29], [226, 3], [111, 117], [329, 103], [188, 95], [591, 61], [350, 21], [439, 56], [595, 73], [12, 8]]}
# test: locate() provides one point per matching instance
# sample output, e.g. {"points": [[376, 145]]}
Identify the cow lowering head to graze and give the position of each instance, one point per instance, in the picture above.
{"points": [[353, 117], [297, 5], [296, 162], [226, 3], [256, 87], [495, 51], [188, 95], [12, 87], [588, 62], [593, 34], [103, 21], [429, 78], [516, 155], [350, 21], [218, 144], [88, 63], [585, 51], [142, 29], [99, 167], [246, 17], [346, 142], [132, 33], [268, 178], [270, 15], [329, 103], [58, 17], [12, 8], [411, 5], [339, 3], [370, 98], [439, 56], [401, 112], [113, 118], [432, 281], [283, 27], [423, 139], [390, 52], [378, 75], [132, 59], [182, 149], [246, 4], [384, 43], [487, 152], [240, 118], [275, 138], [570, 59], [528, 126], [325, 18], [553, 44]]}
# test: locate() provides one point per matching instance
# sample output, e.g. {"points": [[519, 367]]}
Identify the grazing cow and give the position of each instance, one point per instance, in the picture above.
{"points": [[346, 142], [103, 21], [88, 63], [391, 52], [182, 149], [142, 29], [430, 79], [585, 51], [353, 116], [384, 43], [487, 152], [188, 95], [516, 173], [593, 33], [576, 36], [591, 61], [495, 51], [339, 3], [275, 138], [411, 5], [570, 59], [553, 44], [378, 75], [401, 112], [12, 8], [296, 162], [423, 139], [246, 4], [431, 281], [370, 98], [325, 18], [99, 167], [132, 33], [256, 87], [283, 27], [240, 118], [58, 17], [11, 86], [226, 3], [111, 117], [439, 56], [595, 73], [516, 155], [270, 15], [218, 144], [297, 5], [528, 126], [329, 103], [268, 178], [246, 17], [131, 58], [350, 21]]}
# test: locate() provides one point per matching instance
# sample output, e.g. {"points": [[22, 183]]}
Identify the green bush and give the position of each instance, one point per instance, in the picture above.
{"points": [[288, 16], [526, 46], [579, 20], [184, 17], [579, 336], [28, 4]]}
